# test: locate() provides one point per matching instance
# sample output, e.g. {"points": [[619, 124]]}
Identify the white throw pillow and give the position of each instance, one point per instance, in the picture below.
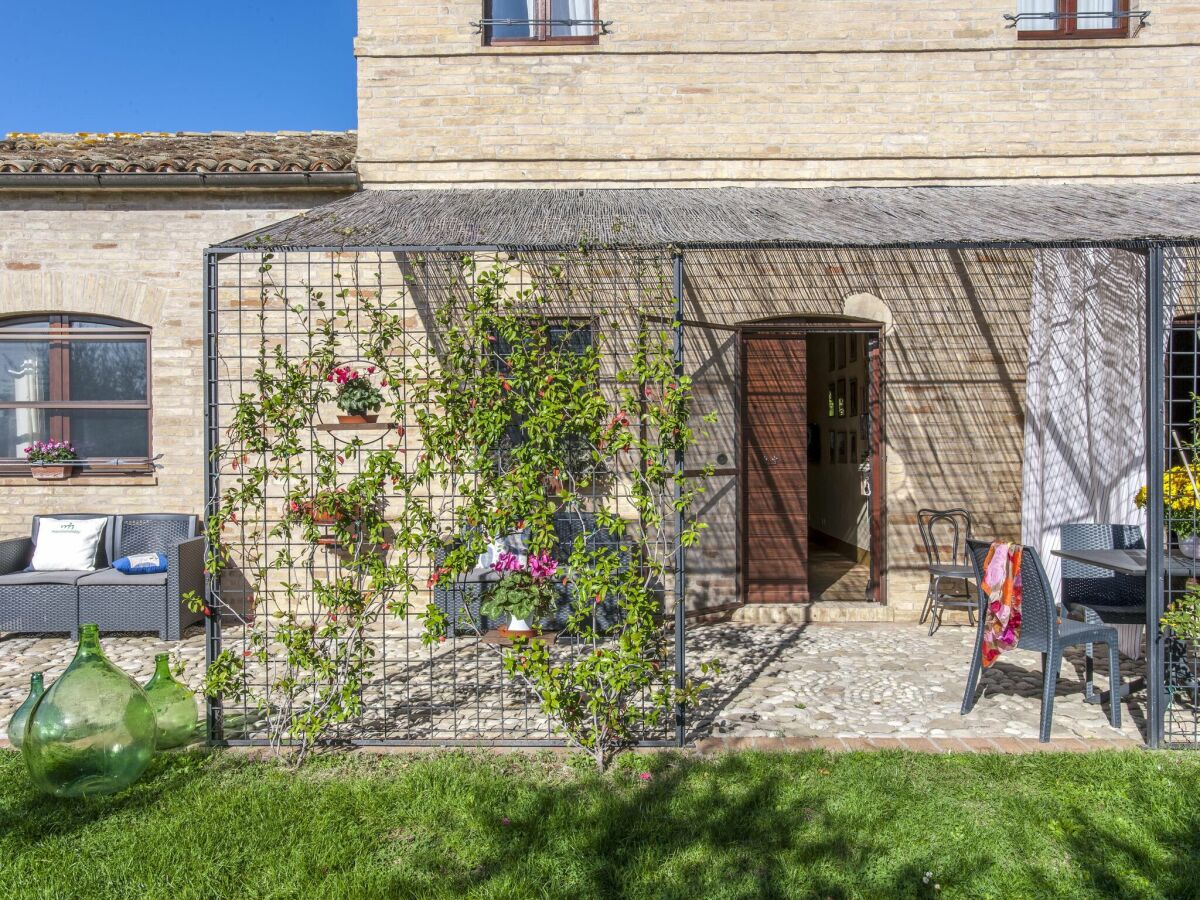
{"points": [[67, 545]]}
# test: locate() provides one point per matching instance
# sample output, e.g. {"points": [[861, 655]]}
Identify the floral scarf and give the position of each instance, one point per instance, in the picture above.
{"points": [[1002, 587]]}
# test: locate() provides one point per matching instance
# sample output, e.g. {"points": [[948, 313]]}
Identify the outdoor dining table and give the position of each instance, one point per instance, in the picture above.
{"points": [[1130, 562]]}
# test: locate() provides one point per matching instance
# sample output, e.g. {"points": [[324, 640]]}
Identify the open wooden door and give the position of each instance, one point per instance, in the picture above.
{"points": [[775, 467]]}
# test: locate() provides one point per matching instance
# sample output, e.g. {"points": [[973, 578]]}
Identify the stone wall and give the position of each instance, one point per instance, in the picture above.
{"points": [[136, 256], [749, 92]]}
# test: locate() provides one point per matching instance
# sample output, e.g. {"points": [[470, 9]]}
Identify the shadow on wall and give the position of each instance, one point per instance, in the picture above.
{"points": [[955, 362]]}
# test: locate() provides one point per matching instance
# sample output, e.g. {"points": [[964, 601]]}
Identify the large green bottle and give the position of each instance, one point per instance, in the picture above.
{"points": [[16, 725], [174, 706], [93, 731]]}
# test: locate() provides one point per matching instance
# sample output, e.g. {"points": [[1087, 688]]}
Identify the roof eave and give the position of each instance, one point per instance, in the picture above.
{"points": [[45, 181]]}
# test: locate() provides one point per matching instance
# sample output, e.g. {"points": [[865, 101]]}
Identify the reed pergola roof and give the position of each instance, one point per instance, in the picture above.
{"points": [[724, 217]]}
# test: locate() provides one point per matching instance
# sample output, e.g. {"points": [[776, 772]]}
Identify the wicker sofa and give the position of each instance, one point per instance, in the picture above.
{"points": [[35, 602]]}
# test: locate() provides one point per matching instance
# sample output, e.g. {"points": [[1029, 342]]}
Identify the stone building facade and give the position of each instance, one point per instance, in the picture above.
{"points": [[114, 227], [755, 92]]}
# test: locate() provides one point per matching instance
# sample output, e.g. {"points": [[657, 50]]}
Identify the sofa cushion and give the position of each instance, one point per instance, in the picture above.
{"points": [[33, 578], [111, 577], [67, 544], [141, 564]]}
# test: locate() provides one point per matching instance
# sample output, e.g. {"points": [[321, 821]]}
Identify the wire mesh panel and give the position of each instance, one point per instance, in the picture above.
{"points": [[1181, 498], [307, 504]]}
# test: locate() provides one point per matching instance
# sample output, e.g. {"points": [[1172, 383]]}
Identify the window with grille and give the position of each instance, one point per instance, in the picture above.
{"points": [[80, 379], [541, 21], [1059, 19]]}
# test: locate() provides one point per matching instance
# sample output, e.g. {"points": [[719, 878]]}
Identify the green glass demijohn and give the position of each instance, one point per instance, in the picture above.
{"points": [[16, 725], [174, 706], [93, 731]]}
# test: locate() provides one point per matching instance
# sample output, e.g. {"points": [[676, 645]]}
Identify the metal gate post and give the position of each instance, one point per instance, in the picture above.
{"points": [[1155, 461], [212, 619], [680, 519]]}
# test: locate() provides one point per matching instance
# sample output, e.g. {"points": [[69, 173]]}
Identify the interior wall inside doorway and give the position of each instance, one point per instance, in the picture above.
{"points": [[839, 516]]}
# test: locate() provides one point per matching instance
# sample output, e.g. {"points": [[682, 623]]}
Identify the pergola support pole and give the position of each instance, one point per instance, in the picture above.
{"points": [[212, 619], [680, 519], [1155, 462]]}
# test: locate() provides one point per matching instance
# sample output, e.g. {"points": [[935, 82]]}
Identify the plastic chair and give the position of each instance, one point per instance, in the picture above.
{"points": [[1101, 596], [1041, 631]]}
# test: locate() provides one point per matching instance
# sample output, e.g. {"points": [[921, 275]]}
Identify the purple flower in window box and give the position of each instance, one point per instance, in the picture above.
{"points": [[50, 460]]}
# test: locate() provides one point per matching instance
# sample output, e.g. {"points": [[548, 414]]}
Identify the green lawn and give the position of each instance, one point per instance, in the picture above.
{"points": [[746, 825]]}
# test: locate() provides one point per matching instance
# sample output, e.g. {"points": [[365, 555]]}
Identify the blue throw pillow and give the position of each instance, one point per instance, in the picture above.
{"points": [[141, 564]]}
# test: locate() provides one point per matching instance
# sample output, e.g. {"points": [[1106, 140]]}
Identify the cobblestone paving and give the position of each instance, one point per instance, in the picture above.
{"points": [[778, 681], [867, 680]]}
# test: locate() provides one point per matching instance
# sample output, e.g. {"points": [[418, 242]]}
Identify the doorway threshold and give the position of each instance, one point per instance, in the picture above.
{"points": [[831, 612]]}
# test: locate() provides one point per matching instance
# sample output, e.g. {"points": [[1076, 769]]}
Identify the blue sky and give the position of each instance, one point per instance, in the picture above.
{"points": [[197, 65]]}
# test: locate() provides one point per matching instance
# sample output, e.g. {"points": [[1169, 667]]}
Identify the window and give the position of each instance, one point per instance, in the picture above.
{"points": [[80, 379], [573, 336], [1062, 19], [541, 21]]}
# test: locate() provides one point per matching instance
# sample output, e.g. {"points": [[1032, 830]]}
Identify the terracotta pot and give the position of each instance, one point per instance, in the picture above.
{"points": [[50, 473], [364, 419]]}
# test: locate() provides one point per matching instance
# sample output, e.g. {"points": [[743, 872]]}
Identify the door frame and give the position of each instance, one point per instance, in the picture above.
{"points": [[877, 379]]}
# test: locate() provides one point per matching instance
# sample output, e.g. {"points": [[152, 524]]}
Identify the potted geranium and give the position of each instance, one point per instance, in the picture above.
{"points": [[50, 460], [327, 507], [1181, 507], [357, 396], [524, 592]]}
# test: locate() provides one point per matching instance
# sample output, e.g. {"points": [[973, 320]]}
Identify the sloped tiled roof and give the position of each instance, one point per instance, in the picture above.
{"points": [[226, 152]]}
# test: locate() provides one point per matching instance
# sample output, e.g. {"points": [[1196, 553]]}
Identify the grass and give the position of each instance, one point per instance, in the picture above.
{"points": [[745, 825]]}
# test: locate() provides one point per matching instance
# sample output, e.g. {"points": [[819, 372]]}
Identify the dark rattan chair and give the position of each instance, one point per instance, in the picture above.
{"points": [[42, 602], [120, 603], [1042, 632], [1101, 596], [945, 533]]}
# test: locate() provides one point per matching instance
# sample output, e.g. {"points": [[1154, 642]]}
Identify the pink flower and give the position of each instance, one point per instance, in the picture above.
{"points": [[542, 566], [507, 562], [645, 776], [370, 370]]}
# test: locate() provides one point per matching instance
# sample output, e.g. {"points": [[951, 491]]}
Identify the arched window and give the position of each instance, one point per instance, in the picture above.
{"points": [[80, 379]]}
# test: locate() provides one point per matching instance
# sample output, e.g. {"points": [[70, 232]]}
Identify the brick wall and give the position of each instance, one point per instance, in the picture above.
{"points": [[804, 92], [955, 346], [135, 256]]}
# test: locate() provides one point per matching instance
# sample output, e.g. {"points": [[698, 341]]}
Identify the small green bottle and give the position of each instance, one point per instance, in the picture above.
{"points": [[174, 707], [16, 725], [92, 732]]}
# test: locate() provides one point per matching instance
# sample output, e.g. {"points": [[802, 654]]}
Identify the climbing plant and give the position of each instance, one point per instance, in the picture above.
{"points": [[519, 427]]}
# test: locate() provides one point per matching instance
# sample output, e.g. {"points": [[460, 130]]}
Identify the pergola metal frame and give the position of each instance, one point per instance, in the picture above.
{"points": [[1154, 251]]}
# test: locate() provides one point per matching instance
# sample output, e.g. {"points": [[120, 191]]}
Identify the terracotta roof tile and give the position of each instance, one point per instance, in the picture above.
{"points": [[185, 151]]}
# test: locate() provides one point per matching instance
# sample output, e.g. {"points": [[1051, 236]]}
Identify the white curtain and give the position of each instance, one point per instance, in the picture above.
{"points": [[27, 388], [1037, 6], [1096, 6], [1085, 449], [579, 10]]}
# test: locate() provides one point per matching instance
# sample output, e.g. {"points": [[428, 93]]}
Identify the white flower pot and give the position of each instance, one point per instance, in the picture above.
{"points": [[515, 624], [1190, 547]]}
